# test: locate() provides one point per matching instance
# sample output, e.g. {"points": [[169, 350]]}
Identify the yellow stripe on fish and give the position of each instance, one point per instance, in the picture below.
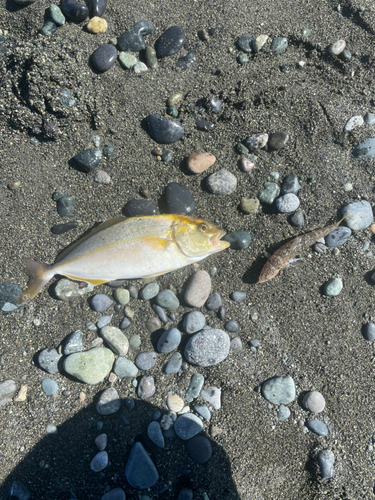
{"points": [[130, 248]]}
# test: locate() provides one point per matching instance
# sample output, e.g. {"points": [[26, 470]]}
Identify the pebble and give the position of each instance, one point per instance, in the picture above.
{"points": [[22, 394], [314, 402], [214, 104], [169, 42], [168, 421], [49, 28], [90, 367], [337, 47], [238, 296], [199, 449], [193, 322], [167, 299], [150, 58], [359, 215], [48, 360], [187, 426], [297, 219], [146, 387], [185, 62], [368, 331], [155, 434], [287, 203], [109, 402], [104, 57], [231, 326], [125, 323], [51, 429], [139, 67], [348, 186], [167, 156], [353, 122], [73, 343], [175, 403], [124, 368], [247, 165], [326, 459], [127, 60], [153, 324], [49, 387], [129, 403], [185, 494], [279, 45], [115, 340], [369, 118], [7, 391], [97, 25], [365, 149], [290, 184], [16, 490], [65, 206], [66, 289], [277, 141], [122, 296], [88, 160], [174, 364], [222, 182], [203, 124], [283, 413], [133, 39], [148, 292], [169, 341], [317, 427], [163, 130], [332, 287], [100, 302], [213, 302], [63, 228], [75, 11], [99, 462], [236, 344], [207, 348], [244, 43], [115, 494], [195, 387], [242, 59], [239, 240], [212, 395], [338, 237], [199, 162], [270, 192], [136, 208], [160, 312], [256, 141], [203, 411], [259, 43], [197, 289], [56, 15], [279, 390], [178, 199], [140, 470], [146, 360], [9, 295], [249, 205], [97, 8]]}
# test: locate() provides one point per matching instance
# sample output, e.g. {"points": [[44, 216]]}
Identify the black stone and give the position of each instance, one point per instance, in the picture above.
{"points": [[9, 292], [63, 228], [184, 62], [290, 184], [179, 199], [74, 10], [104, 57], [97, 7], [164, 130], [277, 141], [133, 39], [137, 208], [89, 159], [169, 42], [244, 43], [199, 449], [65, 206], [203, 124]]}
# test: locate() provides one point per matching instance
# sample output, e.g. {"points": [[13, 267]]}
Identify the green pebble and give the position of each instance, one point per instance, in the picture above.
{"points": [[269, 193], [242, 150], [172, 111], [140, 67], [305, 32], [242, 59], [166, 298], [129, 313], [127, 60], [332, 287], [49, 28], [151, 59], [249, 205], [135, 341], [124, 368], [56, 15], [90, 367], [121, 296]]}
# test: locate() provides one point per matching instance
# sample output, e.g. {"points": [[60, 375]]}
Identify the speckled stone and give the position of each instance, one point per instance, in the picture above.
{"points": [[338, 237], [193, 322], [197, 289], [317, 427], [222, 183], [283, 413], [48, 360], [169, 340], [56, 15], [244, 43], [174, 364], [207, 347], [279, 45], [127, 60], [163, 130], [104, 57], [73, 343], [212, 395], [353, 122], [146, 387], [185, 62], [90, 366], [270, 192], [102, 177], [115, 339], [256, 141], [100, 302], [146, 360], [359, 215], [297, 219], [213, 302], [195, 387], [88, 160], [97, 25], [99, 462], [249, 206], [169, 42], [287, 203]]}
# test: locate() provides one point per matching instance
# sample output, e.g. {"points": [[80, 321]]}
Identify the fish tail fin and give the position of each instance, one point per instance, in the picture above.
{"points": [[40, 274]]}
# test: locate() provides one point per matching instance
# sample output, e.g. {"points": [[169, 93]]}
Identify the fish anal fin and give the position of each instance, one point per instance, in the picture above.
{"points": [[92, 281]]}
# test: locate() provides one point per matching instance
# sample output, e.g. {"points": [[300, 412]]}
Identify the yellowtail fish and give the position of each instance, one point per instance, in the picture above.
{"points": [[284, 255], [129, 248]]}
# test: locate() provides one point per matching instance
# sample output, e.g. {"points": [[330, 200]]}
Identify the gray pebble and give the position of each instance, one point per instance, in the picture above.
{"points": [[212, 395], [115, 340], [287, 203], [149, 291], [244, 43], [297, 219], [317, 427], [129, 403], [169, 340], [207, 348], [187, 426], [277, 141], [353, 122], [199, 449], [48, 360], [104, 57], [193, 322], [283, 413], [49, 28], [254, 343], [101, 442], [166, 298], [124, 368], [185, 62], [239, 240], [49, 387], [146, 360], [73, 343], [314, 401], [290, 184], [51, 429], [109, 402], [155, 434], [203, 411], [7, 390], [270, 192], [238, 296], [197, 289], [332, 287], [236, 344], [104, 320], [279, 45], [153, 324], [66, 289], [231, 326], [146, 387], [125, 323], [369, 118], [365, 149], [221, 313], [174, 364], [127, 60], [140, 470], [368, 331], [359, 215], [100, 302], [279, 390], [256, 141], [160, 312], [203, 124], [163, 130], [213, 302], [337, 47], [195, 387], [133, 291], [222, 183], [99, 462], [65, 206]]}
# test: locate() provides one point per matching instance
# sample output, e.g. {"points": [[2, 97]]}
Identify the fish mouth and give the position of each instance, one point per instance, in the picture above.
{"points": [[217, 241]]}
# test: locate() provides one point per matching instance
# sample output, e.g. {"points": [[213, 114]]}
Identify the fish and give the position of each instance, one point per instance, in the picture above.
{"points": [[284, 255], [129, 248]]}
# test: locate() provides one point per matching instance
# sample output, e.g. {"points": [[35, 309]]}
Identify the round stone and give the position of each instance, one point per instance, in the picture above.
{"points": [[178, 199], [169, 42], [146, 387], [207, 348], [239, 240], [332, 287], [368, 331], [187, 426], [297, 219], [249, 205], [290, 184], [287, 203], [283, 413], [213, 302], [115, 340], [314, 402], [140, 470], [175, 403], [238, 296], [155, 434], [365, 149], [279, 390], [122, 296], [145, 360], [109, 402], [140, 67], [174, 364], [104, 57], [167, 299], [197, 289], [149, 291], [326, 460], [270, 192], [338, 237], [99, 462], [124, 368], [337, 47], [127, 60], [353, 122], [48, 360], [222, 183], [90, 366], [277, 141], [279, 45], [242, 59], [56, 15], [231, 326], [163, 130], [129, 403], [317, 427], [169, 341], [358, 215], [49, 387], [199, 162], [97, 25], [100, 302], [153, 324], [199, 449], [193, 322], [73, 10], [244, 43], [138, 208]]}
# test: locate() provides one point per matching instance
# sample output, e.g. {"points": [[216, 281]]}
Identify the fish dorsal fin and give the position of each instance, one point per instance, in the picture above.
{"points": [[91, 232]]}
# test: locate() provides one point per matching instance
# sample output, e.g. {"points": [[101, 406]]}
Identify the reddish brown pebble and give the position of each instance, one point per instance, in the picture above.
{"points": [[247, 165], [199, 162], [198, 288], [372, 227]]}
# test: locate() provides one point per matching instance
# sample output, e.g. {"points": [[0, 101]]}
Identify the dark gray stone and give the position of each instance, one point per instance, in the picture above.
{"points": [[290, 184], [16, 490], [63, 228], [163, 130], [140, 470], [96, 7], [73, 343], [48, 360], [65, 206], [297, 219], [368, 331], [365, 149], [166, 298], [137, 208], [213, 302], [193, 322], [185, 62], [169, 340], [239, 240], [277, 141], [244, 43], [187, 426], [338, 237], [160, 312], [231, 326], [179, 200], [167, 154], [104, 57], [88, 160], [203, 124], [155, 434], [74, 10], [133, 39], [169, 42], [9, 294], [207, 348], [199, 449], [279, 45]]}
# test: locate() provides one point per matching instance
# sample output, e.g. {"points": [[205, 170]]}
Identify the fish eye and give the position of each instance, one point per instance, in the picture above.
{"points": [[203, 227]]}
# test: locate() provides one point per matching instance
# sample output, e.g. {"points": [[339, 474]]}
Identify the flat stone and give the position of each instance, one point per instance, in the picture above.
{"points": [[283, 413], [207, 347], [115, 340], [332, 287], [174, 364], [326, 460], [104, 57], [155, 434], [287, 203], [199, 162], [185, 62], [65, 206], [193, 322], [104, 320], [169, 340], [97, 25], [195, 387], [231, 326], [100, 302], [203, 411], [127, 60], [139, 208], [88, 160], [236, 344], [244, 43], [238, 296], [140, 470], [178, 199], [146, 387], [109, 402], [279, 390], [222, 183], [197, 289], [64, 228], [213, 301], [368, 331], [146, 360], [73, 343], [140, 67], [317, 427], [187, 426], [90, 366], [259, 43], [48, 360], [66, 289], [365, 149], [163, 130], [133, 39], [353, 122], [167, 299], [359, 215], [199, 449], [99, 462], [148, 292], [174, 403], [314, 401], [270, 192], [124, 368], [169, 42], [239, 240], [338, 237]]}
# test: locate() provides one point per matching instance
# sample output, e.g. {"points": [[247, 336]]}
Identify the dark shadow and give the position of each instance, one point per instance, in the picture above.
{"points": [[144, 126], [12, 6], [183, 167], [300, 399], [73, 164], [58, 467], [252, 274]]}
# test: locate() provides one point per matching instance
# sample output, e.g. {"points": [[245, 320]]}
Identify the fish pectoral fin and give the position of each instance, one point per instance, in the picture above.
{"points": [[292, 261], [90, 281], [158, 244]]}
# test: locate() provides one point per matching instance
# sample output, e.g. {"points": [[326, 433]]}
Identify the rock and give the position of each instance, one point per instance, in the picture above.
{"points": [[199, 449], [49, 387], [277, 141], [114, 494], [236, 344], [169, 340], [178, 199], [249, 206], [332, 287], [169, 42], [244, 43], [146, 360], [207, 348], [297, 219], [314, 401], [100, 302], [148, 292], [203, 411], [65, 206], [90, 367], [197, 289], [317, 427], [199, 162], [242, 59], [97, 25], [222, 183], [88, 160], [124, 368], [99, 462], [140, 67], [231, 326], [248, 164], [287, 203], [359, 215], [279, 390], [212, 395], [290, 184], [115, 340], [155, 434], [133, 39], [337, 47], [66, 289], [9, 295], [221, 313], [160, 312], [270, 192], [163, 130], [49, 28], [193, 322], [239, 240], [283, 413], [127, 60], [326, 459], [146, 387], [150, 57], [203, 124], [167, 156], [129, 403], [73, 343], [238, 296], [368, 331], [338, 237], [97, 8], [48, 360], [279, 45], [174, 364], [369, 118], [185, 494], [365, 149], [153, 324], [63, 228], [140, 470], [353, 122], [175, 403], [74, 10], [256, 141], [214, 104], [213, 302], [121, 296], [259, 43], [109, 402], [137, 208], [104, 57], [195, 387], [16, 490], [187, 426], [167, 299], [185, 62]]}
